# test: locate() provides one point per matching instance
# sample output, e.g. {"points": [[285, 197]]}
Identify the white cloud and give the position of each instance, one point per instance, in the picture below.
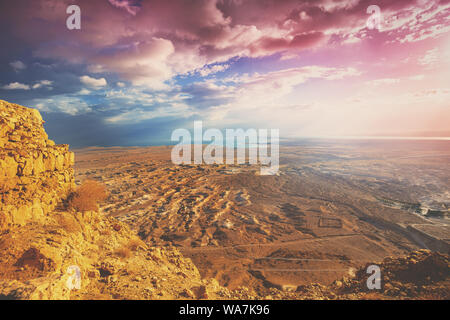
{"points": [[260, 98], [138, 114], [274, 85], [417, 77], [430, 58], [65, 104], [96, 68], [22, 86], [18, 65], [84, 92], [16, 86], [145, 65], [207, 70], [288, 56], [385, 81], [43, 83], [351, 38], [92, 82]]}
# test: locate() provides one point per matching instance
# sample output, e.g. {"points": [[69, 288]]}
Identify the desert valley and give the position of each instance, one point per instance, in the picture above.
{"points": [[334, 207]]}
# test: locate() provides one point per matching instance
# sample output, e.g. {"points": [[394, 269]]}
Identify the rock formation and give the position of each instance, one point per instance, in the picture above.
{"points": [[34, 172], [422, 274]]}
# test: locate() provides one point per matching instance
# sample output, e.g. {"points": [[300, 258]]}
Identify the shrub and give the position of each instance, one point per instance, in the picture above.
{"points": [[87, 196]]}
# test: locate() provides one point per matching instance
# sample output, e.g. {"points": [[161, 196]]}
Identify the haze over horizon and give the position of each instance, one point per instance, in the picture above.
{"points": [[137, 70]]}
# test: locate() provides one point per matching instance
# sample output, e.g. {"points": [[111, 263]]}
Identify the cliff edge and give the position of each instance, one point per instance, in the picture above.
{"points": [[35, 174]]}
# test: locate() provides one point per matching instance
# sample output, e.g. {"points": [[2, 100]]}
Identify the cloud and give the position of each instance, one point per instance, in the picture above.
{"points": [[22, 86], [385, 81], [267, 45], [144, 63], [288, 56], [18, 65], [139, 114], [61, 103], [95, 68], [163, 39], [260, 96], [430, 58], [16, 86], [42, 83], [426, 20], [92, 82], [131, 6], [208, 70], [417, 77], [284, 80], [84, 92]]}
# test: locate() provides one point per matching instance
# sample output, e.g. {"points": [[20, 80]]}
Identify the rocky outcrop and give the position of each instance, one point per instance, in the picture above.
{"points": [[422, 274], [35, 174]]}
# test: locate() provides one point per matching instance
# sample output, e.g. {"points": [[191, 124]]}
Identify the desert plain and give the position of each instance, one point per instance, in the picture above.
{"points": [[335, 206]]}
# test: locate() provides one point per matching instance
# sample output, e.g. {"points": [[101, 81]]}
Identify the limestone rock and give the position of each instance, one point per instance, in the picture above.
{"points": [[34, 172]]}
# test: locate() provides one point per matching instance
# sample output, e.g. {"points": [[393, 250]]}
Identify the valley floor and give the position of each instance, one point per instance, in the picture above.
{"points": [[333, 208]]}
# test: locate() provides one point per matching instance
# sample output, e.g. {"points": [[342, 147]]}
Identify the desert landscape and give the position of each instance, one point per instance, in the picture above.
{"points": [[233, 157], [334, 207], [168, 231]]}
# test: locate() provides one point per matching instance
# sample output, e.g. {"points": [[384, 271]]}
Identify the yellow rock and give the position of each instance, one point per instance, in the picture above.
{"points": [[38, 166], [8, 167]]}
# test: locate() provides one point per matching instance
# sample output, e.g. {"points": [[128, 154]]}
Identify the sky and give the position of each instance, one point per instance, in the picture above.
{"points": [[137, 70]]}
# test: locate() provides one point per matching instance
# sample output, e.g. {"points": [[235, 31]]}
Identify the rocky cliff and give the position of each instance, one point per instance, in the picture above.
{"points": [[34, 172]]}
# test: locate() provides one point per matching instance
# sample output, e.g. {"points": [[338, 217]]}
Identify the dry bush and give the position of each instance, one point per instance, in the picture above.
{"points": [[87, 196], [123, 253]]}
